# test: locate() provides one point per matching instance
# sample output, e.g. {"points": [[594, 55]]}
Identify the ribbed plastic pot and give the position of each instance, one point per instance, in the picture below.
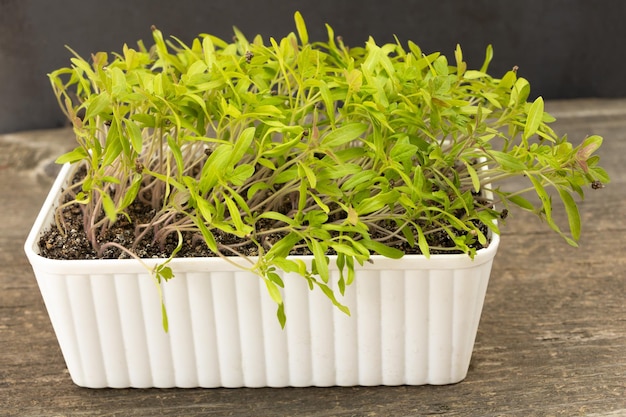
{"points": [[413, 321]]}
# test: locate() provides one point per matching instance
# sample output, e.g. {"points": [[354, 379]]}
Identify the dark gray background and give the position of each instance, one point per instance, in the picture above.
{"points": [[566, 48]]}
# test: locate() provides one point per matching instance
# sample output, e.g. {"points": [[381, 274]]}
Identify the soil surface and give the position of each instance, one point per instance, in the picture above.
{"points": [[71, 240], [74, 244]]}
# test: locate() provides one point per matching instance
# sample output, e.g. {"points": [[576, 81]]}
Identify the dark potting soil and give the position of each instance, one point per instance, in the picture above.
{"points": [[72, 243]]}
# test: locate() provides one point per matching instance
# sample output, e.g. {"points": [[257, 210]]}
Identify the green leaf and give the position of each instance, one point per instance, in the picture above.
{"points": [[350, 269], [113, 146], [422, 243], [573, 215], [308, 172], [382, 249], [215, 166], [166, 273], [408, 235], [521, 202], [286, 265], [354, 78], [316, 217], [134, 133], [321, 204], [458, 55], [196, 68], [331, 295], [519, 92], [363, 177], [205, 209], [474, 75], [321, 261], [131, 192], [488, 58], [473, 175], [546, 201], [109, 207], [301, 28], [344, 134], [280, 314], [76, 155], [267, 163], [508, 162], [241, 228], [535, 115], [240, 174], [164, 320], [282, 248], [97, 105], [487, 217], [273, 291], [209, 239], [276, 279], [242, 145], [273, 215], [177, 153], [287, 175], [146, 120], [403, 150], [375, 203], [118, 81], [341, 263], [345, 249]]}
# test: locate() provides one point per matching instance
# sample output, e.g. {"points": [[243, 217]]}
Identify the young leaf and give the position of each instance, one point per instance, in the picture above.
{"points": [[488, 58], [113, 146], [301, 28], [76, 155], [422, 243], [134, 133], [331, 295], [97, 105], [109, 207], [280, 315], [132, 192], [241, 228], [533, 120], [177, 153], [308, 173], [240, 174], [344, 134], [573, 216], [473, 175], [375, 203], [273, 291], [403, 150], [282, 248], [242, 145], [382, 249], [508, 161], [321, 262], [519, 92], [521, 202]]}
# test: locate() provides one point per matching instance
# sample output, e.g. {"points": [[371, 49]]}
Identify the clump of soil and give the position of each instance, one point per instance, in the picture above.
{"points": [[73, 243]]}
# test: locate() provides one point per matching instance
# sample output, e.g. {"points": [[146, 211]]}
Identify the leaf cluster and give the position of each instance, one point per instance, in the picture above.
{"points": [[266, 149]]}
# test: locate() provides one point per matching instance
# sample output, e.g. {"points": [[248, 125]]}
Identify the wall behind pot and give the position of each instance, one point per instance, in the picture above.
{"points": [[566, 48]]}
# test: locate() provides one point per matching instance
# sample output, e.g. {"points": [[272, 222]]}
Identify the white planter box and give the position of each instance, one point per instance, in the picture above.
{"points": [[413, 322]]}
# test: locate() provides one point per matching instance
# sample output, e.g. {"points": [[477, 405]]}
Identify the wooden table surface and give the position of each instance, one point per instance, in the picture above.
{"points": [[551, 342]]}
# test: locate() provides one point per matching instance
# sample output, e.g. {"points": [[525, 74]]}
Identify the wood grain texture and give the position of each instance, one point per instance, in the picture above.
{"points": [[551, 342]]}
